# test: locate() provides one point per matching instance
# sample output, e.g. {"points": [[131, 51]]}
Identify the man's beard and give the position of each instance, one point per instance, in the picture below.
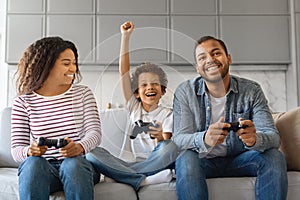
{"points": [[219, 78]]}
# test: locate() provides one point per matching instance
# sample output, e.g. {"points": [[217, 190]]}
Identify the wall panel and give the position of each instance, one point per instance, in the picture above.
{"points": [[257, 39], [254, 7], [143, 7], [78, 29], [149, 40], [21, 32]]}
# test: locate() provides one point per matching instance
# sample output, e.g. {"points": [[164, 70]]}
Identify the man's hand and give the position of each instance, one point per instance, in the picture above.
{"points": [[215, 134], [72, 149], [35, 150], [248, 134]]}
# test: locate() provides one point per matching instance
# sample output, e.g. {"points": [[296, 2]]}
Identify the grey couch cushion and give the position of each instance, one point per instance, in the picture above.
{"points": [[6, 159], [9, 188]]}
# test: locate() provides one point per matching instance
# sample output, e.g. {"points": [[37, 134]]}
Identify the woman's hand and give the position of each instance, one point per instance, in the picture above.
{"points": [[35, 150], [72, 149]]}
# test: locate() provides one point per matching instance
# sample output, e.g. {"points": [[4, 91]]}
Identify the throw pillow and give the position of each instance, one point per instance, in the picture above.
{"points": [[288, 125]]}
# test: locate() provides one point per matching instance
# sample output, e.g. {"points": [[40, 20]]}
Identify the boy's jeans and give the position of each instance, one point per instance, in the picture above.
{"points": [[164, 155]]}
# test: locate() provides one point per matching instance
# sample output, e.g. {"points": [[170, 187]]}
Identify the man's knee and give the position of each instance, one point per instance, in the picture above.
{"points": [[275, 159], [187, 161]]}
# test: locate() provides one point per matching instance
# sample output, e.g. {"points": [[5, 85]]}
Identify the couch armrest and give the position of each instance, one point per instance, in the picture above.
{"points": [[6, 159]]}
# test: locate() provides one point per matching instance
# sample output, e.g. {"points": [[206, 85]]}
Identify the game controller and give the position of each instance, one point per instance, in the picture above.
{"points": [[141, 127], [235, 126], [57, 143]]}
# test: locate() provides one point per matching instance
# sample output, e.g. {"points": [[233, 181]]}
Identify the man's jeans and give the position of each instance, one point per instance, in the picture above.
{"points": [[269, 168], [38, 178], [164, 155]]}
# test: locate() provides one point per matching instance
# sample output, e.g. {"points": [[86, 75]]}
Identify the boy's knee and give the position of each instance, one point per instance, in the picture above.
{"points": [[168, 144]]}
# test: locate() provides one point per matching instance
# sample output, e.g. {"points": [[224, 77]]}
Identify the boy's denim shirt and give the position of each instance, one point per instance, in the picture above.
{"points": [[245, 99]]}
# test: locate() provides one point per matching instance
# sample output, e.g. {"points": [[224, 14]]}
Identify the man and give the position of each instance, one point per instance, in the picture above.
{"points": [[203, 108]]}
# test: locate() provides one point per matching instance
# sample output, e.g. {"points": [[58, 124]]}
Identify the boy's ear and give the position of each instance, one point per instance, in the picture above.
{"points": [[163, 91]]}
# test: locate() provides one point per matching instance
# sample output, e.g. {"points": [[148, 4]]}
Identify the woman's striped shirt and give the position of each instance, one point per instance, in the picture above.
{"points": [[73, 114]]}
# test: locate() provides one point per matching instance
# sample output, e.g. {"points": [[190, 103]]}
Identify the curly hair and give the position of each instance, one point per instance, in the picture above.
{"points": [[38, 60], [148, 68]]}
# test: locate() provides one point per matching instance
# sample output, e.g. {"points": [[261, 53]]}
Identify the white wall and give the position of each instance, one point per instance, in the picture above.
{"points": [[104, 82]]}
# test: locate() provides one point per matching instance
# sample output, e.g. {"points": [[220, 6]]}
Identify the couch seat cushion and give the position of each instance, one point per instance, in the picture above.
{"points": [[9, 188], [9, 183]]}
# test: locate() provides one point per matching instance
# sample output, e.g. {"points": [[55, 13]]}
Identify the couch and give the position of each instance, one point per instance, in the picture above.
{"points": [[113, 125]]}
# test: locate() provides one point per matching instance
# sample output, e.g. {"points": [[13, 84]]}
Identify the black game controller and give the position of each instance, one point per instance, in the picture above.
{"points": [[141, 127], [235, 126], [57, 143]]}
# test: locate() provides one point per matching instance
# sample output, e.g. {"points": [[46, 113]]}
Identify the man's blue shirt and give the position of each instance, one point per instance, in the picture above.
{"points": [[245, 99]]}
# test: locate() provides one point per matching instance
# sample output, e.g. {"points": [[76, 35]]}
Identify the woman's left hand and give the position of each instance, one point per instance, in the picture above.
{"points": [[72, 149]]}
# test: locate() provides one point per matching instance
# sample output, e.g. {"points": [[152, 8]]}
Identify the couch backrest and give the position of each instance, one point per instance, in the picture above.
{"points": [[6, 159], [113, 123]]}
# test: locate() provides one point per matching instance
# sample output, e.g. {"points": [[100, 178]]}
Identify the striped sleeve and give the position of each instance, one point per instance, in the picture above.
{"points": [[20, 131], [91, 122]]}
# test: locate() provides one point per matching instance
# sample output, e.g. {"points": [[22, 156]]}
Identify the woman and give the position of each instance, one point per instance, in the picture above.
{"points": [[51, 106]]}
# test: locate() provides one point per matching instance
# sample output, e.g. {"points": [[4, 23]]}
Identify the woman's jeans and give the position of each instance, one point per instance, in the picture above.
{"points": [[38, 178], [162, 157], [269, 167]]}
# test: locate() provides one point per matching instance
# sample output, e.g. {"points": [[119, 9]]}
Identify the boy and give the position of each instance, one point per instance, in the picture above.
{"points": [[143, 160]]}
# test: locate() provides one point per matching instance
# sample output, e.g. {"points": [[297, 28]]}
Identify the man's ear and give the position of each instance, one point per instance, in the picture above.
{"points": [[229, 59], [197, 67]]}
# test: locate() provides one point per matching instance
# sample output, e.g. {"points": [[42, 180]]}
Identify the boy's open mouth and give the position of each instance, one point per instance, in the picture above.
{"points": [[151, 94]]}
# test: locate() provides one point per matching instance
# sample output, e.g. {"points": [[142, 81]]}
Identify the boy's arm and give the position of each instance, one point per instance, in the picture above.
{"points": [[164, 136], [124, 61]]}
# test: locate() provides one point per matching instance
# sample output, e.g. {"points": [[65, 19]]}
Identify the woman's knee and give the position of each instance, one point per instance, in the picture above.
{"points": [[34, 163], [76, 165], [34, 169]]}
